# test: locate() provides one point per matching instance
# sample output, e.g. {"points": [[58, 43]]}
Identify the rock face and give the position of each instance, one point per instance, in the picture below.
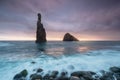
{"points": [[69, 37], [41, 33]]}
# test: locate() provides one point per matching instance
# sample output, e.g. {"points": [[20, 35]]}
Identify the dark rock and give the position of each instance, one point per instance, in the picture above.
{"points": [[107, 76], [69, 37], [21, 75], [51, 75], [115, 69], [74, 78], [77, 74], [85, 74], [33, 62], [117, 76], [39, 70], [36, 77], [24, 73], [63, 73], [17, 77], [41, 33], [54, 74], [62, 78], [81, 78], [46, 77]]}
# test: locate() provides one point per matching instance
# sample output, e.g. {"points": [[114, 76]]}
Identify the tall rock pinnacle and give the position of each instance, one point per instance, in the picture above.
{"points": [[40, 33]]}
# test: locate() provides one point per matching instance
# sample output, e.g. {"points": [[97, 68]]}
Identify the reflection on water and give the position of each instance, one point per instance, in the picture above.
{"points": [[41, 46], [66, 48], [84, 49]]}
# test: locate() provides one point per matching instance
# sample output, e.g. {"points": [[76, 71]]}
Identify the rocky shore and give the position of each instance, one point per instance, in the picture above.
{"points": [[112, 74]]}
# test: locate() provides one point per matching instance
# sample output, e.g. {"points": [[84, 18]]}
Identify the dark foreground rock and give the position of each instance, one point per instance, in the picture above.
{"points": [[87, 75], [69, 37], [36, 77], [41, 33], [115, 69], [112, 74], [21, 76]]}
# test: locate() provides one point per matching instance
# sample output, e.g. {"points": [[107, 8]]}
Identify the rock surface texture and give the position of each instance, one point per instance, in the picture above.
{"points": [[41, 33], [38, 74], [69, 37]]}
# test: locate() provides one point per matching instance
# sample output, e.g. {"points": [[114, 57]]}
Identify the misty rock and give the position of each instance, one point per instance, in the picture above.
{"points": [[69, 37], [40, 33]]}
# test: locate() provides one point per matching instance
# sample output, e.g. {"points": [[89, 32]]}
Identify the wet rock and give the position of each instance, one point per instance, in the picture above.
{"points": [[81, 78], [74, 78], [107, 76], [115, 69], [36, 77], [33, 62], [77, 74], [62, 78], [46, 77], [54, 74], [85, 74], [21, 75], [117, 76], [69, 37], [63, 73], [41, 33], [24, 73], [17, 77], [39, 70]]}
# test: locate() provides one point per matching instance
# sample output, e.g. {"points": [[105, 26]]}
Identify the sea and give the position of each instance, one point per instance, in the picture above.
{"points": [[16, 56]]}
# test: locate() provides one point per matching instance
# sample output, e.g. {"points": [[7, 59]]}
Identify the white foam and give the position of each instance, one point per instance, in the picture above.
{"points": [[95, 61]]}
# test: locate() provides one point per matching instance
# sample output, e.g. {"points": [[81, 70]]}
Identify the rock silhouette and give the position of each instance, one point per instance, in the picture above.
{"points": [[69, 37], [41, 33]]}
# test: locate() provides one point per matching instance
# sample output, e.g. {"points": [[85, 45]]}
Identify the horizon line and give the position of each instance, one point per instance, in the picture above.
{"points": [[61, 40]]}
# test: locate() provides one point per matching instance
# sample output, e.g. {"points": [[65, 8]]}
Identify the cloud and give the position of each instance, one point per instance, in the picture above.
{"points": [[82, 17]]}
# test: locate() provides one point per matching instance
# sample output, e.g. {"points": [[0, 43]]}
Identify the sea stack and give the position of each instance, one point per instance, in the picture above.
{"points": [[40, 33], [69, 37]]}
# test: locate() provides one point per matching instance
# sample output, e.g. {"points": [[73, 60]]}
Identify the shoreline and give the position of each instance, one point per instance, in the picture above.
{"points": [[112, 74]]}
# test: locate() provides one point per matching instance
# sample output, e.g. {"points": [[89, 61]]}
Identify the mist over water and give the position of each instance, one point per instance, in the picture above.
{"points": [[55, 55]]}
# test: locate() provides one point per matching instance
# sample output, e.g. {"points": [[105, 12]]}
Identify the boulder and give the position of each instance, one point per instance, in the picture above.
{"points": [[36, 77], [46, 77], [107, 76], [39, 70], [41, 33], [87, 75], [74, 78], [69, 37], [54, 74], [115, 69], [21, 75]]}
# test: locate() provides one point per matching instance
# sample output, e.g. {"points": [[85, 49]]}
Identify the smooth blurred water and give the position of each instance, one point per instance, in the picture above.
{"points": [[54, 55]]}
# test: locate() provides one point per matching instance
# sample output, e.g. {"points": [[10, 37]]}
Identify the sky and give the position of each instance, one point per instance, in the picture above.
{"points": [[85, 19]]}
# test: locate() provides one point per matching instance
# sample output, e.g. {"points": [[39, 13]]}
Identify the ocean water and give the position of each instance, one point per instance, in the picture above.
{"points": [[54, 55]]}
